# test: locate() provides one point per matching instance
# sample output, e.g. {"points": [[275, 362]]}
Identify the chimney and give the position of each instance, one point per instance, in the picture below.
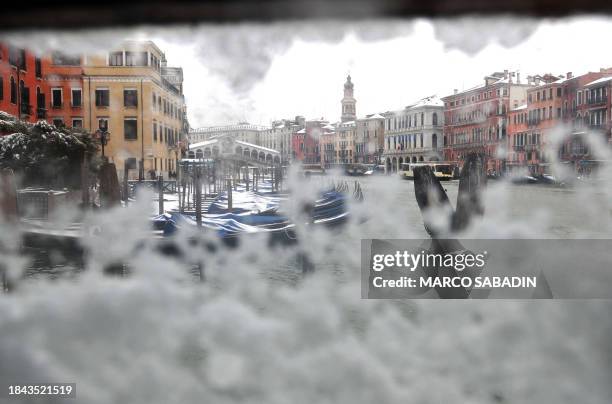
{"points": [[505, 74], [518, 78], [569, 75], [455, 91]]}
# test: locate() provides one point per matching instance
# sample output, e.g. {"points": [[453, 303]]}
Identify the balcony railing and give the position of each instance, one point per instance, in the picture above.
{"points": [[597, 100]]}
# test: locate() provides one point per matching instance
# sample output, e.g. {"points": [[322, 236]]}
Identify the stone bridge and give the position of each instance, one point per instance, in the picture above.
{"points": [[227, 148]]}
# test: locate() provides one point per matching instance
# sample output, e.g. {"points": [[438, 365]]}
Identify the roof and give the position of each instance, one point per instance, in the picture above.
{"points": [[376, 116], [431, 101], [599, 81]]}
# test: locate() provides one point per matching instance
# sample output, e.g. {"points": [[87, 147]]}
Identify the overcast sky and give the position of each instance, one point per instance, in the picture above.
{"points": [[261, 72], [390, 69]]}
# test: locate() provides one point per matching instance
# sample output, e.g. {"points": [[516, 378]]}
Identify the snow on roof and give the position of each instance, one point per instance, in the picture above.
{"points": [[329, 126], [520, 107], [599, 81], [376, 116], [301, 131], [431, 101]]}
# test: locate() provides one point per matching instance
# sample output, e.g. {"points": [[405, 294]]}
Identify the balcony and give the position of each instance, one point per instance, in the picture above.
{"points": [[597, 100]]}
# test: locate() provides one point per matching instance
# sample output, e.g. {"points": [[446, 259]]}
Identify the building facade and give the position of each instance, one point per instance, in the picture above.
{"points": [[369, 139], [576, 108], [476, 120], [414, 134], [305, 143], [126, 94], [278, 136], [21, 80], [588, 117], [63, 75]]}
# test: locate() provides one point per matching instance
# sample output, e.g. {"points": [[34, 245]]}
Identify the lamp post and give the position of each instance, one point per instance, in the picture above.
{"points": [[103, 136]]}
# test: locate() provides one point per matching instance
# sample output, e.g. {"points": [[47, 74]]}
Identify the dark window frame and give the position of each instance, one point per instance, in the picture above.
{"points": [[102, 97], [130, 132]]}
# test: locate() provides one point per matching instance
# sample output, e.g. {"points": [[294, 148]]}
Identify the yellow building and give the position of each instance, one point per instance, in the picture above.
{"points": [[138, 100]]}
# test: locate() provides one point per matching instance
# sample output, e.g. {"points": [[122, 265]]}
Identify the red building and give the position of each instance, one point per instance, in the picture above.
{"points": [[22, 87], [63, 75], [476, 120], [305, 142], [587, 102]]}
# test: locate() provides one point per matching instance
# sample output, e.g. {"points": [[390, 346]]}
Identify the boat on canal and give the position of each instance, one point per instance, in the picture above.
{"points": [[442, 171]]}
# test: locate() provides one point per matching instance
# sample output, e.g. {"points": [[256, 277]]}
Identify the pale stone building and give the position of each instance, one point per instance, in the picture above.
{"points": [[414, 134]]}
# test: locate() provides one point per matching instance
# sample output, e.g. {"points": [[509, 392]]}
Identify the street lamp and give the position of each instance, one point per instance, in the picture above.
{"points": [[103, 136]]}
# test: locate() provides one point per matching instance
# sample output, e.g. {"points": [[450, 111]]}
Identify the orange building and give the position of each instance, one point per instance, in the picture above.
{"points": [[530, 125]]}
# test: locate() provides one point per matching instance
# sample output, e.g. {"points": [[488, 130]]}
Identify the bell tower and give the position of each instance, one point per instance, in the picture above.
{"points": [[348, 102]]}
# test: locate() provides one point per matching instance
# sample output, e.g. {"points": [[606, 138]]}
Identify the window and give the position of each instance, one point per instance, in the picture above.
{"points": [[76, 97], [40, 104], [56, 97], [17, 57], [60, 59], [130, 127], [1, 88], [38, 67], [155, 131], [58, 122], [102, 97], [77, 123], [115, 59], [434, 119], [130, 163], [135, 58], [103, 124], [130, 97], [13, 91]]}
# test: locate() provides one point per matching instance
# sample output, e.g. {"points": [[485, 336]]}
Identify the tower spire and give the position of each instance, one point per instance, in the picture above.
{"points": [[348, 101]]}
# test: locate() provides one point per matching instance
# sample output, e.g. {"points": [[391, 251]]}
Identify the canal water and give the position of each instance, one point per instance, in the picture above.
{"points": [[389, 210]]}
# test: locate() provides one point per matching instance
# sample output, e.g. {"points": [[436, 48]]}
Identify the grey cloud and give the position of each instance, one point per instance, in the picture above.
{"points": [[471, 34]]}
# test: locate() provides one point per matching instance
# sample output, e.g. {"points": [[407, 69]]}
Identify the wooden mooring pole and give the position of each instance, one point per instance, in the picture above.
{"points": [[160, 194], [198, 197], [229, 194]]}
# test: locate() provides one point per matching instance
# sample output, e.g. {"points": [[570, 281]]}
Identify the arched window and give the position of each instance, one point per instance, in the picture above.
{"points": [[421, 140], [434, 119], [434, 141], [1, 88], [13, 91], [422, 119]]}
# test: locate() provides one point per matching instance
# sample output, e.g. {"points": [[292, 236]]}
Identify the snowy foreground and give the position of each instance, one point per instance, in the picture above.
{"points": [[257, 332]]}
